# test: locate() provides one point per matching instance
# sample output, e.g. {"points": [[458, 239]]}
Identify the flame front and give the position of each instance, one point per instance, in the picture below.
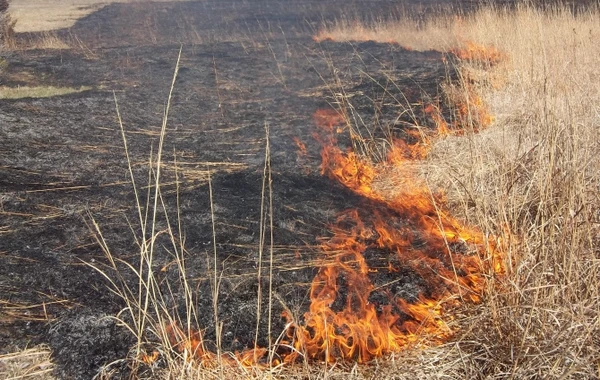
{"points": [[349, 316], [360, 308]]}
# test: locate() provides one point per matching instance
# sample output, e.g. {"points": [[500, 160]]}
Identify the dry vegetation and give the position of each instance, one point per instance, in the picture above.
{"points": [[32, 363], [532, 178], [527, 176], [6, 25], [526, 171], [518, 159], [43, 15], [37, 92]]}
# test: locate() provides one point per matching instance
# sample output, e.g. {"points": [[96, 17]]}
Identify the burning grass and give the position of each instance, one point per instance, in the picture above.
{"points": [[515, 295], [525, 169]]}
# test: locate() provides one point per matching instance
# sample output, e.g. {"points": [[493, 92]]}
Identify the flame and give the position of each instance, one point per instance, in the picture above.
{"points": [[342, 322], [440, 123], [349, 316], [302, 151], [469, 110], [191, 345], [149, 359], [472, 110], [356, 311], [475, 52]]}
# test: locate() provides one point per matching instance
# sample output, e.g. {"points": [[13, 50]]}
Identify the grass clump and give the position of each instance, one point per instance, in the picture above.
{"points": [[38, 92], [30, 363], [7, 26]]}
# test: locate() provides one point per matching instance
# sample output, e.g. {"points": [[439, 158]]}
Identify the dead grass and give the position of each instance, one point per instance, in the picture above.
{"points": [[530, 180], [38, 92], [43, 15], [6, 26], [31, 363], [45, 40]]}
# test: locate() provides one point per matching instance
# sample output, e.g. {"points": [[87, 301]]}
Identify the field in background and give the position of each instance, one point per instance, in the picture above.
{"points": [[43, 15]]}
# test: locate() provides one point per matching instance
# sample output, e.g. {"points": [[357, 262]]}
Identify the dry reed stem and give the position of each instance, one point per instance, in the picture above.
{"points": [[30, 363]]}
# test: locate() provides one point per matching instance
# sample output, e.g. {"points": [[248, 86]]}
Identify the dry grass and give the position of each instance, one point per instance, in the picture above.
{"points": [[31, 363], [530, 179], [6, 26], [43, 15], [45, 40], [38, 92]]}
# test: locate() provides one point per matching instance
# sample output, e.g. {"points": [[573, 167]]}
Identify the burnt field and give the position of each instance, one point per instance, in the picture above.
{"points": [[244, 108]]}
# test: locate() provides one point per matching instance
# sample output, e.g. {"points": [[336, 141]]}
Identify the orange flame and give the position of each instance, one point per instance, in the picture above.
{"points": [[470, 110], [351, 318], [191, 345], [442, 127], [355, 313], [149, 359], [342, 322], [472, 51], [301, 147]]}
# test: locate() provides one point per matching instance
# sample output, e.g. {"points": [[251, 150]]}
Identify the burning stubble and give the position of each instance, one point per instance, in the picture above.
{"points": [[389, 274], [357, 311]]}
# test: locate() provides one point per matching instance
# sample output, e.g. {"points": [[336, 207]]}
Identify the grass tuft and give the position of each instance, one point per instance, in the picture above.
{"points": [[31, 363], [38, 92]]}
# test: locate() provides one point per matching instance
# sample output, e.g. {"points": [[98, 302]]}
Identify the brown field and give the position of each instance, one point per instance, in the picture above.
{"points": [[43, 16]]}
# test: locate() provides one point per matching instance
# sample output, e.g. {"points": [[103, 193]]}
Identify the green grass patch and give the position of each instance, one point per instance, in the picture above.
{"points": [[38, 92]]}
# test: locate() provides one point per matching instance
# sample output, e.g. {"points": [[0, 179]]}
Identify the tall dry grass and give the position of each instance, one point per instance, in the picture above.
{"points": [[531, 180]]}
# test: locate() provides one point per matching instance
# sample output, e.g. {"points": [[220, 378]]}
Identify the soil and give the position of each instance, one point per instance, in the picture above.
{"points": [[244, 65]]}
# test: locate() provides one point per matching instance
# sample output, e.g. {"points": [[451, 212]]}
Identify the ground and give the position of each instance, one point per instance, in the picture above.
{"points": [[244, 65]]}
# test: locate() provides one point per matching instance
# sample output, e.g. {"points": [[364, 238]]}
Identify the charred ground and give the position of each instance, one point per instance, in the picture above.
{"points": [[244, 65]]}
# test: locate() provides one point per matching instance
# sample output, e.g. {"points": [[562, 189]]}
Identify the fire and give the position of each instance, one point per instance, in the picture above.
{"points": [[352, 314], [343, 321], [469, 110], [438, 120], [302, 151], [474, 52], [191, 345], [391, 272], [151, 358]]}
